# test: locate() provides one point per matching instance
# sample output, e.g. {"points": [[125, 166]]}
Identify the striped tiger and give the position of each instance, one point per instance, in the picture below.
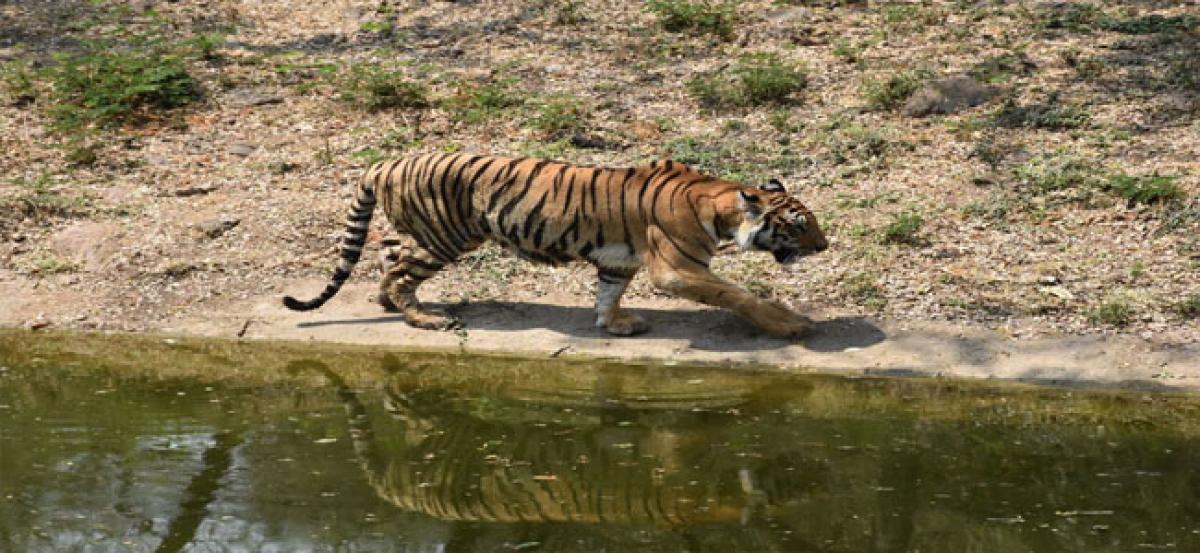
{"points": [[663, 216]]}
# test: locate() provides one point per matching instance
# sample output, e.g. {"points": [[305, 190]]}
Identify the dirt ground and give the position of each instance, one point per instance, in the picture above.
{"points": [[1023, 264]]}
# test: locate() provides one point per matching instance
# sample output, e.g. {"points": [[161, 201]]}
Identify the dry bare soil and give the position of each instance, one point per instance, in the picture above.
{"points": [[1059, 196]]}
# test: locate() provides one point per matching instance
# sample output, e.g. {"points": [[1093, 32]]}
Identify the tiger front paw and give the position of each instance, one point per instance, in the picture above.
{"points": [[793, 327], [625, 324]]}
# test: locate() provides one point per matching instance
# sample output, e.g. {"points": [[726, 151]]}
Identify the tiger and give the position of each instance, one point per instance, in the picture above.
{"points": [[663, 216]]}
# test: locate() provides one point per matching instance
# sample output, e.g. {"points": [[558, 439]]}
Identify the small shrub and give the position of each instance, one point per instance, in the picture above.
{"points": [[475, 103], [47, 263], [1057, 172], [1188, 307], [559, 116], [374, 88], [39, 198], [911, 17], [17, 82], [890, 93], [1073, 16], [1144, 189], [106, 85], [1001, 68], [1051, 115], [904, 229], [697, 17], [755, 79], [848, 50], [864, 288], [1112, 312], [204, 45], [1150, 24]]}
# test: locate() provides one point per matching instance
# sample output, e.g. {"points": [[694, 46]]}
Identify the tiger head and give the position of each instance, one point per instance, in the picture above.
{"points": [[779, 223]]}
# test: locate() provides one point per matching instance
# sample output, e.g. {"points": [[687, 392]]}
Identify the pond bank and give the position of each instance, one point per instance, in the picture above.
{"points": [[686, 333]]}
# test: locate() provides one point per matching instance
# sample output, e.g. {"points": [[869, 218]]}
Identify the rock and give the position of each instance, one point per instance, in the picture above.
{"points": [[1048, 280], [242, 148], [197, 190], [249, 97], [948, 95], [593, 142], [213, 228], [88, 244], [37, 323]]}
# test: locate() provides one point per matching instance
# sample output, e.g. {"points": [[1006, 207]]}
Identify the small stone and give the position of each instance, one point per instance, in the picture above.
{"points": [[1048, 280], [197, 190], [37, 323], [948, 95], [249, 97], [213, 228], [242, 149]]}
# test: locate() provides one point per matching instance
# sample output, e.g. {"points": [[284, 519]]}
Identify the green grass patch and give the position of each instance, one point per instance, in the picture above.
{"points": [[559, 116], [1144, 189], [108, 83], [1051, 115], [474, 103], [1111, 312], [756, 79], [1188, 307], [40, 198], [374, 88], [864, 288], [695, 17], [890, 92], [1001, 68], [1057, 172], [905, 228], [1150, 24]]}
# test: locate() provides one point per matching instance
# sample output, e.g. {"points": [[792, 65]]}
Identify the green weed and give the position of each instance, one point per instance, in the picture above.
{"points": [[889, 93], [905, 228], [1057, 172], [1150, 24], [39, 198], [696, 17], [1111, 312], [559, 116], [1188, 307], [1145, 189], [755, 79], [864, 288], [1051, 115], [374, 88], [476, 103]]}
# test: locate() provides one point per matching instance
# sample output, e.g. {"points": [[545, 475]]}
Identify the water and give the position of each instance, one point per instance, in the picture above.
{"points": [[125, 444]]}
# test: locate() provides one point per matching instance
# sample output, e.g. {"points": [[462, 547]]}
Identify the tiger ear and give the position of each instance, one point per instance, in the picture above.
{"points": [[773, 185], [749, 203]]}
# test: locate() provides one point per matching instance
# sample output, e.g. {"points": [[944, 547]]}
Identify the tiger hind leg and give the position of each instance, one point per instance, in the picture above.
{"points": [[609, 315], [405, 266]]}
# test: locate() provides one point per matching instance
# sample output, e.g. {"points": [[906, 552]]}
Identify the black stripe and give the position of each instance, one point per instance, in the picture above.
{"points": [[625, 223], [592, 190], [570, 192], [508, 207], [585, 250], [691, 257], [534, 213]]}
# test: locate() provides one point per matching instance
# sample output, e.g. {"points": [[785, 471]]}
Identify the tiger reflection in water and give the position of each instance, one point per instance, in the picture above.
{"points": [[486, 462]]}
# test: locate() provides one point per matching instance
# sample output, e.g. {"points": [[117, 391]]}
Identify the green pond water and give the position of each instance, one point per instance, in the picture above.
{"points": [[112, 443]]}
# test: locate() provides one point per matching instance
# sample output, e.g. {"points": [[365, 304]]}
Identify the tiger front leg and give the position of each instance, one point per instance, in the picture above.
{"points": [[609, 315], [773, 317], [701, 285]]}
